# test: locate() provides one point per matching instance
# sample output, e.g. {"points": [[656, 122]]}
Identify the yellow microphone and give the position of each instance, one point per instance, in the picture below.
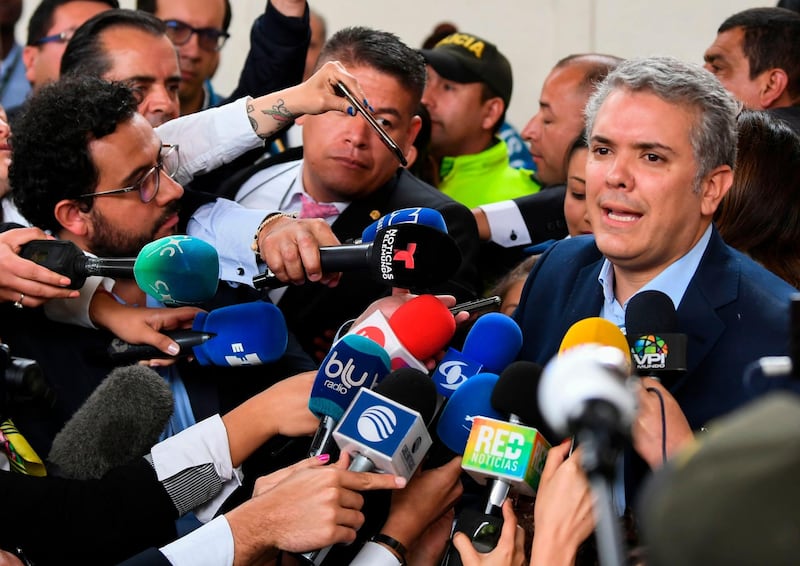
{"points": [[595, 330]]}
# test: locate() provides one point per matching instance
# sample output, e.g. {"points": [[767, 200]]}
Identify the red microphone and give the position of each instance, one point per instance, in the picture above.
{"points": [[416, 331]]}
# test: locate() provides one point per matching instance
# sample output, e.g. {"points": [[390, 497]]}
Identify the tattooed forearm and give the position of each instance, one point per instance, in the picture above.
{"points": [[279, 113], [253, 123]]}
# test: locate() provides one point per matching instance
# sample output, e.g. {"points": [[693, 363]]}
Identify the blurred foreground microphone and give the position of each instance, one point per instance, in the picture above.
{"points": [[417, 330], [585, 391], [353, 362], [385, 430], [493, 342], [424, 216], [657, 349], [405, 255], [246, 334], [175, 270], [121, 420]]}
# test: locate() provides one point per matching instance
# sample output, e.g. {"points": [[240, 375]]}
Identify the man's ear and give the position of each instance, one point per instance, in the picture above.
{"points": [[29, 54], [68, 213], [410, 151], [715, 186], [773, 88], [493, 109]]}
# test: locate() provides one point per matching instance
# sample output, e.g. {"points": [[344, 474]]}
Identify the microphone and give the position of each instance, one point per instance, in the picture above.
{"points": [[352, 363], [417, 330], [419, 215], [238, 335], [657, 349], [593, 330], [404, 255], [469, 401], [384, 430], [175, 270], [120, 421], [493, 342]]}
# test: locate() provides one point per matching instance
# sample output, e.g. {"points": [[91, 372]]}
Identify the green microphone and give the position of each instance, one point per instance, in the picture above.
{"points": [[175, 270]]}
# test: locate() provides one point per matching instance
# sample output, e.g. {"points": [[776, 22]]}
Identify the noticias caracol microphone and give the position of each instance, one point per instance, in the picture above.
{"points": [[352, 363], [419, 215], [417, 330], [405, 255], [175, 270], [493, 342], [120, 421], [385, 431], [246, 334], [657, 349]]}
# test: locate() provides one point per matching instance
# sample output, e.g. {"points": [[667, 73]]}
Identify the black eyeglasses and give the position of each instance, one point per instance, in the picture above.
{"points": [[210, 39], [62, 37], [168, 162]]}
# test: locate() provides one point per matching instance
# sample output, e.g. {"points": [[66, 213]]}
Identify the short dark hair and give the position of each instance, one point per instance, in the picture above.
{"points": [[51, 143], [84, 54], [42, 18], [771, 40], [150, 6], [380, 50]]}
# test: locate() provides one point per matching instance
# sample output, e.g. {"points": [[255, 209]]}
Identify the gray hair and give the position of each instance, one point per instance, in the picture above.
{"points": [[713, 136]]}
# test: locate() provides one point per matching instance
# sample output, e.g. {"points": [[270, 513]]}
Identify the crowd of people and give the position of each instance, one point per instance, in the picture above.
{"points": [[643, 174]]}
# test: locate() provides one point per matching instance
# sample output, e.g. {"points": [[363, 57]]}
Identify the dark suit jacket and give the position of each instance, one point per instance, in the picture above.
{"points": [[734, 311], [311, 309], [57, 521]]}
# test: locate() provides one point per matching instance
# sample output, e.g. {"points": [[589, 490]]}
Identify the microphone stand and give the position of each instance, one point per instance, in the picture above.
{"points": [[600, 444]]}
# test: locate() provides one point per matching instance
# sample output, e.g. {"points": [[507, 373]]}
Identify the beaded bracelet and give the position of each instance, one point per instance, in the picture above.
{"points": [[267, 219]]}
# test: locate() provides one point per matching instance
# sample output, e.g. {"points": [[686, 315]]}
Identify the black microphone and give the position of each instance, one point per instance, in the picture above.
{"points": [[658, 350], [64, 257], [403, 255], [121, 420]]}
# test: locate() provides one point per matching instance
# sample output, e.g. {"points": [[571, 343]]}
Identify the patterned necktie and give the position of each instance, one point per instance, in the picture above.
{"points": [[312, 209]]}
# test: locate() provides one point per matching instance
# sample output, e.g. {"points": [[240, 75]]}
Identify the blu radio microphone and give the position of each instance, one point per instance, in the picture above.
{"points": [[121, 420], [175, 270], [423, 216], [416, 331], [352, 363], [493, 342], [238, 335], [657, 348], [404, 255]]}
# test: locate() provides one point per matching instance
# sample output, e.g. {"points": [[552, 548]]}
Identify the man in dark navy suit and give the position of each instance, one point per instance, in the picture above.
{"points": [[662, 145]]}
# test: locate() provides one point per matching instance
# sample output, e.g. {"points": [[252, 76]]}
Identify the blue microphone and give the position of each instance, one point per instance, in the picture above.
{"points": [[425, 216], [239, 335], [352, 363], [472, 399], [493, 342]]}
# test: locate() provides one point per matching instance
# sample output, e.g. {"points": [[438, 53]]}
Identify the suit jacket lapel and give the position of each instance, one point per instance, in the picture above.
{"points": [[714, 285]]}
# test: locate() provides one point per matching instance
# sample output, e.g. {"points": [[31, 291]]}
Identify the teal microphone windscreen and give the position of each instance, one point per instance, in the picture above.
{"points": [[178, 270]]}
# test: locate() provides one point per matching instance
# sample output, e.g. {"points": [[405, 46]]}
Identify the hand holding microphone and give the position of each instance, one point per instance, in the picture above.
{"points": [[244, 334], [175, 270], [405, 255]]}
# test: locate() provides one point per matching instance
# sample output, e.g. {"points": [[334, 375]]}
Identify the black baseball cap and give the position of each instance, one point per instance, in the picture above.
{"points": [[466, 58]]}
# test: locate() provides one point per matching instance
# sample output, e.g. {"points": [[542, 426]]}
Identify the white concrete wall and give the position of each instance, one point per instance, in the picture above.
{"points": [[533, 34]]}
